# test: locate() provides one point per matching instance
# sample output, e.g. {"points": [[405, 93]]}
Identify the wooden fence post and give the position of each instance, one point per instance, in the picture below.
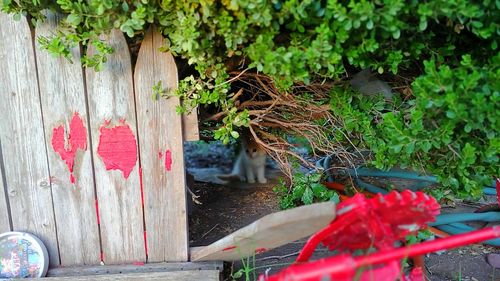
{"points": [[4, 208], [62, 94], [162, 156], [116, 166], [22, 136]]}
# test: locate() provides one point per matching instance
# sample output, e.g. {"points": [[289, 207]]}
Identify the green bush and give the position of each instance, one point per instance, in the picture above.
{"points": [[449, 125], [307, 189], [449, 129]]}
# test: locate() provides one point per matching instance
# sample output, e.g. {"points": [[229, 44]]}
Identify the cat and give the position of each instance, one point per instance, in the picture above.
{"points": [[250, 163]]}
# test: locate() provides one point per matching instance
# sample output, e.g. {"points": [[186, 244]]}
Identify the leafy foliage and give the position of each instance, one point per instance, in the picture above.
{"points": [[447, 126], [449, 129], [420, 236], [306, 190]]}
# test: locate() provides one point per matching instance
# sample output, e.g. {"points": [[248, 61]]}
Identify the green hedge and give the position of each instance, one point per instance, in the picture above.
{"points": [[448, 126]]}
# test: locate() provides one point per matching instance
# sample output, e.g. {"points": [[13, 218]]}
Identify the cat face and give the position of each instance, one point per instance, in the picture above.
{"points": [[253, 149]]}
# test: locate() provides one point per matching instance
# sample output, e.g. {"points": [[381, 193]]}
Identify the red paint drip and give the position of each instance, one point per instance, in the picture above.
{"points": [[142, 186], [260, 250], [229, 248], [118, 149], [77, 139], [97, 212], [146, 242], [102, 256], [138, 263], [168, 160]]}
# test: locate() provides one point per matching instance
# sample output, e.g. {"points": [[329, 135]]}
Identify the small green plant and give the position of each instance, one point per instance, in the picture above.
{"points": [[459, 274], [306, 189], [248, 269], [420, 236]]}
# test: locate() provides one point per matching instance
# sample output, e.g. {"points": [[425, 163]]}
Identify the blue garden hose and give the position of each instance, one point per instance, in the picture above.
{"points": [[394, 173], [450, 223]]}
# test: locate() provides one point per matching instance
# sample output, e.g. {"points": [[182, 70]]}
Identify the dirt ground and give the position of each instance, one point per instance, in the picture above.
{"points": [[225, 209]]}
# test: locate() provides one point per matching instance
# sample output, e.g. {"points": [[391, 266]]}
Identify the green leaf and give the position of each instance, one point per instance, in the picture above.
{"points": [[335, 198], [423, 25], [307, 197], [238, 274], [74, 19], [235, 134]]}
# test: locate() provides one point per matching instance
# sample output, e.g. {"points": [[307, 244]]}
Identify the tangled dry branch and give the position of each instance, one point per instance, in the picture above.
{"points": [[276, 116]]}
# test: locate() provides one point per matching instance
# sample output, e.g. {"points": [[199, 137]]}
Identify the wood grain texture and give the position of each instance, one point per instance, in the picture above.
{"points": [[111, 99], [268, 232], [22, 136], [190, 130], [131, 268], [160, 128], [4, 212], [62, 94], [205, 275]]}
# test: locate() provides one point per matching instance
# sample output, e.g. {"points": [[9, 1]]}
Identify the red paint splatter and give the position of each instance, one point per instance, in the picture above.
{"points": [[142, 187], [168, 160], [77, 139], [260, 250], [118, 149], [160, 155], [229, 248], [97, 212], [138, 263]]}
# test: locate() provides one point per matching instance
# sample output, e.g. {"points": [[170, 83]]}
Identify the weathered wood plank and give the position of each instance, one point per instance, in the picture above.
{"points": [[113, 131], [62, 94], [205, 275], [162, 156], [131, 268], [22, 136], [268, 232], [4, 212], [190, 130]]}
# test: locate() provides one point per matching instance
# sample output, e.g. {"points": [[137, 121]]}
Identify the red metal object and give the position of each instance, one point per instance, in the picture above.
{"points": [[378, 223], [345, 267]]}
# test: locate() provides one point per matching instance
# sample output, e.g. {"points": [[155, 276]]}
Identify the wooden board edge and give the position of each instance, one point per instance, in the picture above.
{"points": [[94, 270], [323, 209], [208, 275]]}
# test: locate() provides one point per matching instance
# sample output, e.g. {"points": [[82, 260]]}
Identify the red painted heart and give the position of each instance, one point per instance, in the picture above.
{"points": [[67, 148]]}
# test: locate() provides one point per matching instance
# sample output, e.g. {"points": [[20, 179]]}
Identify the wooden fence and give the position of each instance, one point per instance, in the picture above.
{"points": [[90, 163]]}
